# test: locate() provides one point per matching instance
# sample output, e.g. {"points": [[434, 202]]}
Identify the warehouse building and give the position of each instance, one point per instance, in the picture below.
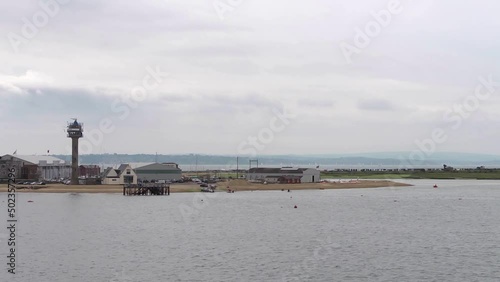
{"points": [[6, 164], [36, 167], [159, 171], [284, 175]]}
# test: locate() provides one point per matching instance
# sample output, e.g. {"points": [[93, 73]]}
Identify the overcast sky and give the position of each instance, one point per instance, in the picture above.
{"points": [[231, 69]]}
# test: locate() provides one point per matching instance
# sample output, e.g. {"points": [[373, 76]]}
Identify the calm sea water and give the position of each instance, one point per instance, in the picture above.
{"points": [[386, 234]]}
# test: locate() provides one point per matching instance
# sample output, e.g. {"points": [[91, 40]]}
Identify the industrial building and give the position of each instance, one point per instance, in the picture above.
{"points": [[123, 175], [284, 175], [159, 171], [89, 171], [7, 163], [35, 167], [285, 179]]}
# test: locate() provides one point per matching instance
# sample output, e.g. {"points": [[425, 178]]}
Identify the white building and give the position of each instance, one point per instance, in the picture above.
{"points": [[123, 175], [307, 175]]}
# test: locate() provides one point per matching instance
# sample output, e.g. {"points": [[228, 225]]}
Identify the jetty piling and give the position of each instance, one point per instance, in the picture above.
{"points": [[147, 189]]}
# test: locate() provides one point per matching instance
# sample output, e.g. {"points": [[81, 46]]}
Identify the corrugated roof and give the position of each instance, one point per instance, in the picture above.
{"points": [[285, 170], [36, 159], [137, 165], [273, 170], [158, 166]]}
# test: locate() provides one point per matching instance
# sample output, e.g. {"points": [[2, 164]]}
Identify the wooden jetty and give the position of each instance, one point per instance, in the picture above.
{"points": [[146, 189]]}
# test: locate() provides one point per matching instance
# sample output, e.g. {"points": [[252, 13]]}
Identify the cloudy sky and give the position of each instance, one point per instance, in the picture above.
{"points": [[351, 76]]}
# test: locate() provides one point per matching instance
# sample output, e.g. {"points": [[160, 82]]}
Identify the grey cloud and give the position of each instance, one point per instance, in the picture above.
{"points": [[309, 69], [375, 105], [316, 103], [214, 51], [264, 54], [248, 103], [176, 98], [66, 102], [239, 67]]}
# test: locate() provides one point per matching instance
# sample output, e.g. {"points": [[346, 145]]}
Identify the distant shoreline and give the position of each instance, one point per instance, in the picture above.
{"points": [[236, 185], [486, 174]]}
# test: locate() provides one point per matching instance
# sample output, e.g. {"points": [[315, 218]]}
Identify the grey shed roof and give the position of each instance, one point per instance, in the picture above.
{"points": [[158, 166], [36, 159], [274, 170], [122, 167]]}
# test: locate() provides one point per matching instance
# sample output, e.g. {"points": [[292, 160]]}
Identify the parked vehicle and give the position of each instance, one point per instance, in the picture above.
{"points": [[207, 190]]}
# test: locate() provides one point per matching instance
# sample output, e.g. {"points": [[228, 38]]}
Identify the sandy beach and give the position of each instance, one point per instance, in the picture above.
{"points": [[237, 185]]}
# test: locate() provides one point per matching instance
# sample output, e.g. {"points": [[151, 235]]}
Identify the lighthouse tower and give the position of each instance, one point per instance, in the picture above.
{"points": [[75, 132]]}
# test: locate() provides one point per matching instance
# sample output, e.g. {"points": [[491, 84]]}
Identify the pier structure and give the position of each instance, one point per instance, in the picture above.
{"points": [[146, 189]]}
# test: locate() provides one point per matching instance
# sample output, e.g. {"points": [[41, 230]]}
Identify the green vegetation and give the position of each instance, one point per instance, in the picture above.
{"points": [[429, 174]]}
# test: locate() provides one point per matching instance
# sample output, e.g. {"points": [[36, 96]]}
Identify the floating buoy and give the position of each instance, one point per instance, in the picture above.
{"points": [[435, 186], [295, 206]]}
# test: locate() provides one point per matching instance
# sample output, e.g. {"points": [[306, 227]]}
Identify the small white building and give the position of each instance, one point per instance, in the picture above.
{"points": [[307, 175], [123, 175], [310, 175]]}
